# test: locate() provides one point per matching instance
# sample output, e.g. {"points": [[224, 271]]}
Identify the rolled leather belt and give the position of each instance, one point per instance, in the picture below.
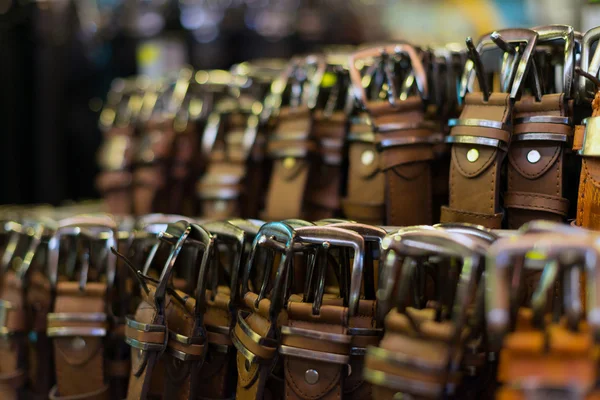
{"points": [[230, 186], [390, 150], [115, 178], [389, 172], [475, 172], [290, 146], [151, 164], [536, 167], [323, 193]]}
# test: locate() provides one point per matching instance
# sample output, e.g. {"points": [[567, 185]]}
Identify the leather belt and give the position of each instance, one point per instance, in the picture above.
{"points": [[322, 198], [290, 146], [479, 143]]}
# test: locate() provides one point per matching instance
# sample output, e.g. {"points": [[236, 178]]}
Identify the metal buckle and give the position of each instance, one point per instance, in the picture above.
{"points": [[557, 252], [591, 144], [381, 57], [553, 33], [518, 74], [590, 66], [102, 228]]}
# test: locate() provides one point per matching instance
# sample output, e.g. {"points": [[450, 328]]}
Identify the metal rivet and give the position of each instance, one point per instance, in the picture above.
{"points": [[533, 156], [289, 162], [311, 376], [220, 205], [473, 155], [78, 343], [367, 157]]}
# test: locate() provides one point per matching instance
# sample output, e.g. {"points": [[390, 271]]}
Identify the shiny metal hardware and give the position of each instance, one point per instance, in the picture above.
{"points": [[551, 34], [472, 155], [589, 64], [367, 157], [384, 56], [75, 331], [5, 309], [533, 156], [591, 137], [78, 343], [511, 36], [311, 376]]}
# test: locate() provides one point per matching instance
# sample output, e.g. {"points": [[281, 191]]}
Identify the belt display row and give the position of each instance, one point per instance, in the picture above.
{"points": [[496, 134], [169, 307]]}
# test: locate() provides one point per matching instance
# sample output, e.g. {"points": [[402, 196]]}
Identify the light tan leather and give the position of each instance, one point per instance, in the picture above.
{"points": [[475, 186], [79, 368]]}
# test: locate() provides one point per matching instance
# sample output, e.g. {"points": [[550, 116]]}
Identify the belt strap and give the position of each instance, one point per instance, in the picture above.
{"points": [[390, 165], [78, 329], [536, 161], [289, 146], [316, 351], [100, 394], [322, 199], [115, 158], [479, 140]]}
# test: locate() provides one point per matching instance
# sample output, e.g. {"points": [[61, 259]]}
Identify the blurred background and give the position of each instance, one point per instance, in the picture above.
{"points": [[58, 57]]}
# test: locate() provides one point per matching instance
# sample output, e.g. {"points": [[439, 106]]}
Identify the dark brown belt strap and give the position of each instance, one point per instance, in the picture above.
{"points": [[536, 161], [289, 146], [483, 128], [322, 199], [389, 173], [78, 328], [316, 351]]}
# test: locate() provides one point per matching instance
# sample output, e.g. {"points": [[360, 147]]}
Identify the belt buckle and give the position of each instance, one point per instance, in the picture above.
{"points": [[514, 83], [91, 227], [555, 252], [589, 64], [549, 35], [382, 57]]}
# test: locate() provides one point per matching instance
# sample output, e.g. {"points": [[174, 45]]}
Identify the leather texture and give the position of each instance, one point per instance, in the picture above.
{"points": [[475, 186], [588, 201], [536, 190], [390, 184]]}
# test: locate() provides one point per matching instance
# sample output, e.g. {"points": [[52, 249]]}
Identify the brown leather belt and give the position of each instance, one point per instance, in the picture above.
{"points": [[290, 146], [536, 161], [475, 172], [81, 319], [390, 150]]}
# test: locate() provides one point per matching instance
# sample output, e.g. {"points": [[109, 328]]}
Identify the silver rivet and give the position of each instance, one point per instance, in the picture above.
{"points": [[533, 156], [220, 205], [473, 155], [311, 376], [77, 343], [289, 162], [367, 157]]}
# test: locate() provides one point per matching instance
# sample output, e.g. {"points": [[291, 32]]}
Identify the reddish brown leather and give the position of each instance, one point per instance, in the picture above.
{"points": [[394, 188], [588, 200], [535, 191], [80, 371], [289, 145], [475, 186]]}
